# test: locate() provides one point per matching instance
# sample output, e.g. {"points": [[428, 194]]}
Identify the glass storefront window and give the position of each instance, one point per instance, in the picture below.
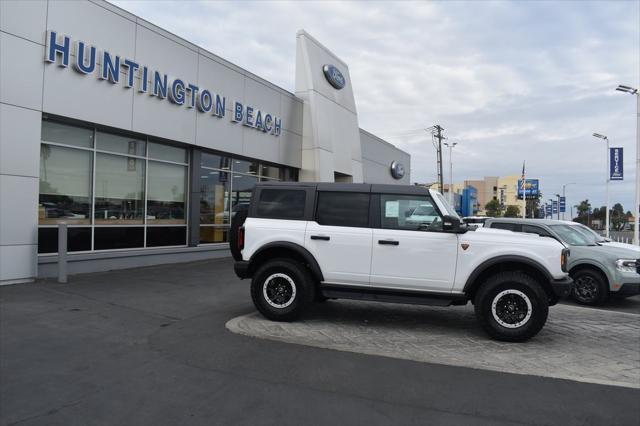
{"points": [[65, 185], [248, 167], [270, 172], [215, 161], [119, 189], [78, 239], [242, 188], [158, 236], [167, 152], [120, 144], [214, 197], [68, 135], [118, 237], [166, 193], [213, 234], [103, 183]]}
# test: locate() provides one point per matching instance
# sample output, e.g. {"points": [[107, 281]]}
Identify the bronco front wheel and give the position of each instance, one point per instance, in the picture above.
{"points": [[511, 306]]}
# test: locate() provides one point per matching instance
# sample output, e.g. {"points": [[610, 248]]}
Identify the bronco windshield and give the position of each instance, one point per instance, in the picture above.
{"points": [[448, 208], [570, 235]]}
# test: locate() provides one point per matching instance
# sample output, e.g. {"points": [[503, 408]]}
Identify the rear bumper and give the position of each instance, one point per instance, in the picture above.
{"points": [[562, 287], [241, 268]]}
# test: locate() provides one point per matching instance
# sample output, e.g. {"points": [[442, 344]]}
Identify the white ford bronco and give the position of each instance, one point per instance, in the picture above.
{"points": [[306, 242]]}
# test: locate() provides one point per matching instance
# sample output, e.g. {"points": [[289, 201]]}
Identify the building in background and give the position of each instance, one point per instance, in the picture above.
{"points": [[504, 189], [146, 144]]}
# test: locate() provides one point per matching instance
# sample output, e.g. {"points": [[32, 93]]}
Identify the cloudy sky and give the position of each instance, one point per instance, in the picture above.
{"points": [[509, 81]]}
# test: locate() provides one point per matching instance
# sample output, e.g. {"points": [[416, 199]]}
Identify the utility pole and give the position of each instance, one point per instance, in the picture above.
{"points": [[440, 176], [436, 133]]}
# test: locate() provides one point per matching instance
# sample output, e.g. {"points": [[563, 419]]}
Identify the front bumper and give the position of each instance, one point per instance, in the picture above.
{"points": [[562, 287], [628, 289], [241, 268]]}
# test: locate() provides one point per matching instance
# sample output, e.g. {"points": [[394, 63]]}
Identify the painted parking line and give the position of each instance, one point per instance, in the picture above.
{"points": [[585, 345]]}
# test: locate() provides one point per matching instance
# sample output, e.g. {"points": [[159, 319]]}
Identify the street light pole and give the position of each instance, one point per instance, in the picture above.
{"points": [[450, 145], [565, 198], [636, 208], [558, 198], [598, 135]]}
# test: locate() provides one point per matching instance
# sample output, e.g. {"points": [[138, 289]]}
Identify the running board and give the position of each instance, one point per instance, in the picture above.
{"points": [[339, 291]]}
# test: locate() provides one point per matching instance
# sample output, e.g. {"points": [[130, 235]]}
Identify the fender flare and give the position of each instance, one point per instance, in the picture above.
{"points": [[469, 284], [303, 252], [594, 265]]}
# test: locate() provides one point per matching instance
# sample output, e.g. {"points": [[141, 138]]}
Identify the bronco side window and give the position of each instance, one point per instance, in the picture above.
{"points": [[281, 204], [409, 212], [343, 209]]}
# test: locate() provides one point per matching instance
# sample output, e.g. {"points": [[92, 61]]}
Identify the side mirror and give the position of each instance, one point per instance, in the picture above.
{"points": [[407, 213], [450, 224]]}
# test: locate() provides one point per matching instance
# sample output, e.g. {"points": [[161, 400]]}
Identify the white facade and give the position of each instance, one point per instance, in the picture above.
{"points": [[318, 131]]}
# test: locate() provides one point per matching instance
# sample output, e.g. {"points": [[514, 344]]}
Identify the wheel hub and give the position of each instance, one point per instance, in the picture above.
{"points": [[511, 308], [279, 290], [586, 288]]}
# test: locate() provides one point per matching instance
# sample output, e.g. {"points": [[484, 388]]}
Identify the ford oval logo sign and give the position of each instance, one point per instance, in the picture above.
{"points": [[334, 76]]}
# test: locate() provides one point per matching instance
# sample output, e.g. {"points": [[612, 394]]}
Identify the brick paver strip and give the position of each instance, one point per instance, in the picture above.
{"points": [[587, 345]]}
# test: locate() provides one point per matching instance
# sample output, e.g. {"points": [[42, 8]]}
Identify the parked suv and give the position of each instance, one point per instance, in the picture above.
{"points": [[302, 242], [599, 268]]}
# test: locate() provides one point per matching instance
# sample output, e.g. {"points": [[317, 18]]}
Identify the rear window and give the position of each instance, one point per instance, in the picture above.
{"points": [[281, 204], [515, 227], [343, 209]]}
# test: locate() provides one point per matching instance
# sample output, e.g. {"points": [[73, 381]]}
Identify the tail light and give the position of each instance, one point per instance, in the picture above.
{"points": [[564, 259], [241, 238]]}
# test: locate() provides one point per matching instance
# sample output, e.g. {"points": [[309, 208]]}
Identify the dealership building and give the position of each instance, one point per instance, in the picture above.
{"points": [[145, 144]]}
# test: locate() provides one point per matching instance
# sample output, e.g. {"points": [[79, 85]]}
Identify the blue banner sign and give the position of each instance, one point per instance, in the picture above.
{"points": [[554, 207], [531, 188], [87, 59], [616, 171], [563, 204], [548, 209]]}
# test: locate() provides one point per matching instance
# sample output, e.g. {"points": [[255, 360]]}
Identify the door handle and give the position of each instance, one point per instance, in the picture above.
{"points": [[389, 242], [320, 237]]}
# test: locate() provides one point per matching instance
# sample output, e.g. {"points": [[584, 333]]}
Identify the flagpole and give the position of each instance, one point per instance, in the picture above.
{"points": [[524, 193]]}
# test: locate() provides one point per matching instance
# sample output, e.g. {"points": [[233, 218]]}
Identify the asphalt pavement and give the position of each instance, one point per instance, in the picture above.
{"points": [[149, 346]]}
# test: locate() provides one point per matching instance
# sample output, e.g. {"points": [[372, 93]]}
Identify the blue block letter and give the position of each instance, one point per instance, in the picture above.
{"points": [[110, 69], [237, 112], [54, 48], [79, 65], [204, 101], [131, 69]]}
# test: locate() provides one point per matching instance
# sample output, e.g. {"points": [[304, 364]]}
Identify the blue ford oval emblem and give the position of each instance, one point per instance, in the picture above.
{"points": [[334, 76]]}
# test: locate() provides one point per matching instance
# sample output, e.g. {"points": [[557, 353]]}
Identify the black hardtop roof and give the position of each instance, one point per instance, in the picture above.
{"points": [[349, 187]]}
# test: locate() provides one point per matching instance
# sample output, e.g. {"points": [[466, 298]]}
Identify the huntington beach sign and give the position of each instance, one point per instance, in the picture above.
{"points": [[87, 59]]}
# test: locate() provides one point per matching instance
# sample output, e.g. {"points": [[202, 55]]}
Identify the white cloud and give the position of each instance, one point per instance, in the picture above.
{"points": [[509, 80]]}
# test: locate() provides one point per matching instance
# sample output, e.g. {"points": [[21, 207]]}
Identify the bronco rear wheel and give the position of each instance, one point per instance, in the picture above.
{"points": [[281, 289], [511, 306]]}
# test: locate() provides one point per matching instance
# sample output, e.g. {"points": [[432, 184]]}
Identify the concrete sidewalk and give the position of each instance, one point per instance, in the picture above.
{"points": [[577, 343], [149, 346]]}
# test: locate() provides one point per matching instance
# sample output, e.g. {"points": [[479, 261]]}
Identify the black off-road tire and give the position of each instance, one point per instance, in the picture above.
{"points": [[590, 287], [284, 268], [520, 284], [236, 222]]}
